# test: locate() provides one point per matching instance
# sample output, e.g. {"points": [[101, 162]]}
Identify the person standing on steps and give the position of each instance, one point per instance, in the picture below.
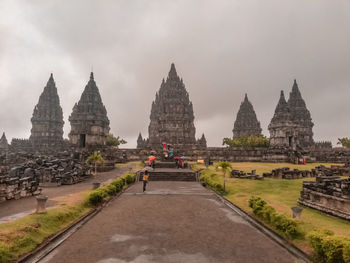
{"points": [[145, 180]]}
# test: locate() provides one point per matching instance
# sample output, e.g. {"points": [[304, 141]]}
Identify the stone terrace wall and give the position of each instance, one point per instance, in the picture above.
{"points": [[331, 155], [328, 194]]}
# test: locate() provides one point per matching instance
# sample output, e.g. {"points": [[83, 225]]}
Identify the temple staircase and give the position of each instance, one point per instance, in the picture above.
{"points": [[167, 171]]}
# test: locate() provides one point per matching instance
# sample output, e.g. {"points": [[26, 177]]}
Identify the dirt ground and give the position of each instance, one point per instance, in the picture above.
{"points": [[171, 222], [13, 209]]}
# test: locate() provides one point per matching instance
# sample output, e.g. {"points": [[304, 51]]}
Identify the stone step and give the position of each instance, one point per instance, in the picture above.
{"points": [[165, 165], [171, 176]]}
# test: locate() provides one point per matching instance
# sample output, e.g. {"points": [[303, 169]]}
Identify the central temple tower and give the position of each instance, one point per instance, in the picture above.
{"points": [[172, 115]]}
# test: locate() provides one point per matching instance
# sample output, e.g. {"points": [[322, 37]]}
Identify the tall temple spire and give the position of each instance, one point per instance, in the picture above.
{"points": [[246, 123], [47, 120], [3, 142], [291, 124], [89, 121], [172, 73], [172, 118]]}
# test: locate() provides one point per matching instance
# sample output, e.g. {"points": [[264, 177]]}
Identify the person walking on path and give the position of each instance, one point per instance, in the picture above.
{"points": [[145, 180]]}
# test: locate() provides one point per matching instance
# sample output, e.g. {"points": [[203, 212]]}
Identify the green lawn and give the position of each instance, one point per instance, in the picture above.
{"points": [[279, 193]]}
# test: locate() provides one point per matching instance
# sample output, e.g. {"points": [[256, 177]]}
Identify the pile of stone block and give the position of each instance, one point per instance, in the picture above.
{"points": [[15, 185], [328, 194], [286, 173], [243, 175], [334, 170], [59, 171]]}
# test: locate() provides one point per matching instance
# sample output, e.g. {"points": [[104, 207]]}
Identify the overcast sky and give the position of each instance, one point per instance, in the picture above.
{"points": [[222, 49]]}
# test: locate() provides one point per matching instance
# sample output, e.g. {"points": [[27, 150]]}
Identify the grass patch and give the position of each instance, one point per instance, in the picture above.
{"points": [[25, 234], [278, 193]]}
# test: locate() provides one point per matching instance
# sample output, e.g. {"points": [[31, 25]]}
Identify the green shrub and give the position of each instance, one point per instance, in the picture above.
{"points": [[111, 189], [118, 185], [247, 141], [130, 178], [97, 196], [329, 248], [102, 193], [288, 226]]}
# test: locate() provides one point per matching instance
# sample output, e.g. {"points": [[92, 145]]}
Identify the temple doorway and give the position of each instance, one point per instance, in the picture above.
{"points": [[82, 140]]}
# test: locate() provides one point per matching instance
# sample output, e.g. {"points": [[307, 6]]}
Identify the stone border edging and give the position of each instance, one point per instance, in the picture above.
{"points": [[263, 229], [53, 242]]}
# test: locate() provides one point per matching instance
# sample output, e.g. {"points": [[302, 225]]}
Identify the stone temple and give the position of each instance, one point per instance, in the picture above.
{"points": [[47, 120], [246, 123], [172, 115], [89, 121], [4, 146], [291, 125]]}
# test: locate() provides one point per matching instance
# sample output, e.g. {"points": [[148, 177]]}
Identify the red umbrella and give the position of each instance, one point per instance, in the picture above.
{"points": [[151, 158]]}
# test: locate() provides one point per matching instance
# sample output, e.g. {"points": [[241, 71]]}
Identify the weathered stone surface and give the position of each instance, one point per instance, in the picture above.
{"points": [[202, 142], [89, 121], [246, 123], [4, 146], [301, 117], [47, 120], [172, 115], [329, 194], [141, 142], [242, 175], [291, 125]]}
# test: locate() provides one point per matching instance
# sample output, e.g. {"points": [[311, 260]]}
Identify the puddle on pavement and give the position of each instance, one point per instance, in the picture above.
{"points": [[234, 217], [171, 258], [122, 238]]}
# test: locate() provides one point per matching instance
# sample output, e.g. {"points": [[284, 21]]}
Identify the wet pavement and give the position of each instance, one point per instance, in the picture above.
{"points": [[171, 222]]}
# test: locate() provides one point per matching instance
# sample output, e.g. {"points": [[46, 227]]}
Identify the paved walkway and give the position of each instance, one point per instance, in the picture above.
{"points": [[14, 209], [171, 222]]}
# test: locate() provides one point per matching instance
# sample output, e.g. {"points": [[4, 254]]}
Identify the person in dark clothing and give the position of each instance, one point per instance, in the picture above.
{"points": [[145, 180]]}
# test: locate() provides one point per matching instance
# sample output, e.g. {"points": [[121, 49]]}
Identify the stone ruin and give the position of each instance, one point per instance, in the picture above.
{"points": [[21, 180], [172, 117], [89, 121], [13, 186], [246, 123], [47, 120], [291, 125], [286, 173], [328, 194], [242, 175]]}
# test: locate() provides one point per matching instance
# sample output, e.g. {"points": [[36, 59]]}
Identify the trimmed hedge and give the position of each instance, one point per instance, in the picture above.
{"points": [[329, 248], [209, 180], [101, 194], [287, 226]]}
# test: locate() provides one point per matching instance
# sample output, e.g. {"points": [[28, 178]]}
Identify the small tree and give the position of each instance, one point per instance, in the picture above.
{"points": [[345, 142], [225, 167], [114, 141], [95, 158]]}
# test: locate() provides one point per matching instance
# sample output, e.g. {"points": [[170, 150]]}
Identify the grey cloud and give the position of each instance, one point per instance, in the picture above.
{"points": [[222, 49]]}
